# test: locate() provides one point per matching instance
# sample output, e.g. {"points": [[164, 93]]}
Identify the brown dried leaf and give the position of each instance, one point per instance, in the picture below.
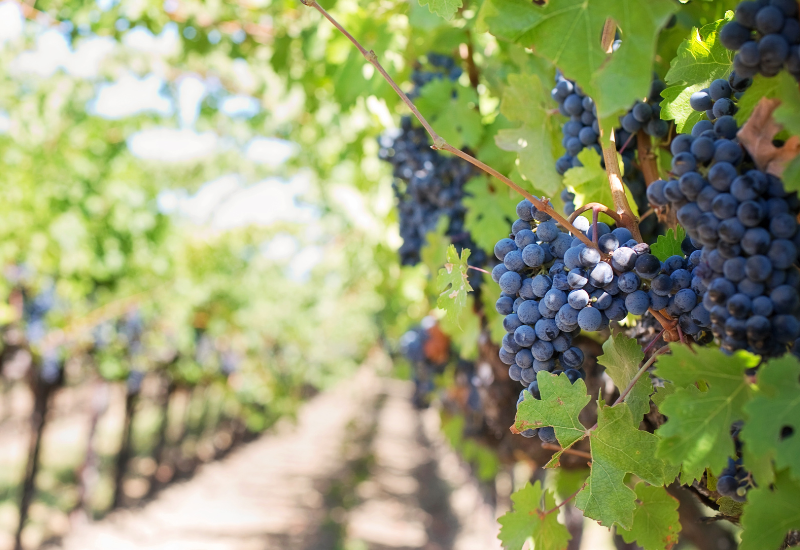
{"points": [[757, 135]]}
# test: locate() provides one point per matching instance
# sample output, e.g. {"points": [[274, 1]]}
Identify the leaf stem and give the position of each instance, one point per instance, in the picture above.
{"points": [[478, 269], [439, 143], [651, 344], [563, 502], [639, 374]]}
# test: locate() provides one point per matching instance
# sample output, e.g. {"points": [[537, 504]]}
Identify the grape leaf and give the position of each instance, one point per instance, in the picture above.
{"points": [[450, 108], [466, 332], [527, 100], [699, 60], [697, 431], [621, 358], [568, 33], [453, 284], [529, 520], [566, 482], [618, 448], [489, 212], [787, 115], [770, 514], [655, 522], [774, 408], [668, 245], [590, 183], [434, 253], [662, 393], [445, 9], [560, 405], [762, 86]]}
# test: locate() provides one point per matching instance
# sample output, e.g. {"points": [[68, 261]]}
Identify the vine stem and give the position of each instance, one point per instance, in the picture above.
{"points": [[439, 143], [575, 452], [563, 502], [478, 269], [600, 207], [621, 205]]}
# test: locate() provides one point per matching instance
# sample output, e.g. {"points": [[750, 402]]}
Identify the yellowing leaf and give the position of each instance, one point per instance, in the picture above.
{"points": [[453, 284], [700, 59]]}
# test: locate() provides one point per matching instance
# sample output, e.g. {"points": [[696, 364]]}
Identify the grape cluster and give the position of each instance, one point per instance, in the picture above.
{"points": [[745, 223], [719, 99], [428, 185], [425, 365], [766, 36], [553, 286], [582, 130]]}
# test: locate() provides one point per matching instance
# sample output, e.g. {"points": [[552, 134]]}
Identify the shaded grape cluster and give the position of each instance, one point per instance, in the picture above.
{"points": [[766, 38], [427, 350], [735, 481], [745, 224], [428, 185]]}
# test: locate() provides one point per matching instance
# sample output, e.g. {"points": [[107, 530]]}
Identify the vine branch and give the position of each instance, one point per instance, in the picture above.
{"points": [[621, 204], [600, 208], [439, 143]]}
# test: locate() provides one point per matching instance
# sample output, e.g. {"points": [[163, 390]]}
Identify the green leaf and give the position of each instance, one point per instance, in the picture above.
{"points": [[662, 393], [566, 482], [771, 514], [434, 253], [568, 32], [453, 284], [699, 60], [490, 212], [775, 407], [787, 115], [445, 9], [456, 119], [528, 520], [655, 522], [619, 447], [621, 358], [528, 101], [590, 183], [465, 332], [697, 432], [761, 87], [668, 245], [560, 405]]}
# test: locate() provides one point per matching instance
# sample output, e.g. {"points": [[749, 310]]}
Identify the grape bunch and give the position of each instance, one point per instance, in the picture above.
{"points": [[427, 348], [719, 99], [744, 222], [766, 36], [428, 185], [582, 130]]}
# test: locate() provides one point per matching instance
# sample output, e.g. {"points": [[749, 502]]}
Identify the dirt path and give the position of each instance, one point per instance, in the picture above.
{"points": [[360, 470]]}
